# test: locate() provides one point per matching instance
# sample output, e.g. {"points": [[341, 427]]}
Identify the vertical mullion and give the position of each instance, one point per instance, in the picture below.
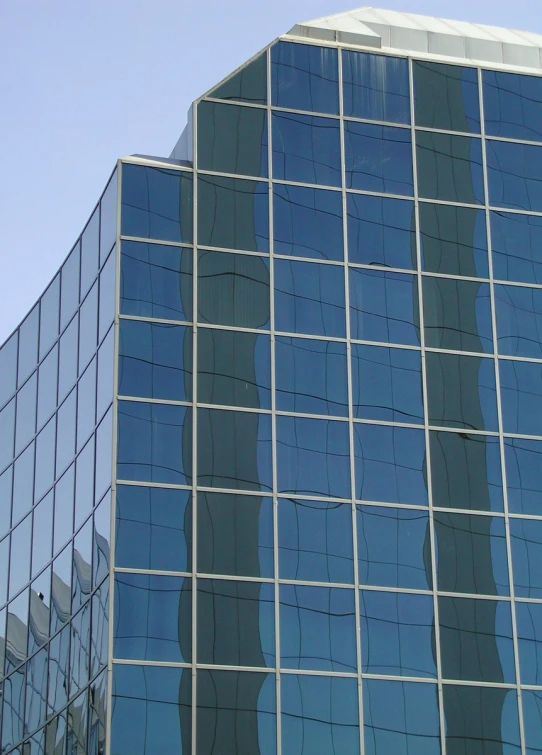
{"points": [[500, 415], [431, 522], [194, 425]]}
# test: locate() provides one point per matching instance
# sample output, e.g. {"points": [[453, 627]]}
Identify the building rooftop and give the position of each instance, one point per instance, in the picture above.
{"points": [[408, 32]]}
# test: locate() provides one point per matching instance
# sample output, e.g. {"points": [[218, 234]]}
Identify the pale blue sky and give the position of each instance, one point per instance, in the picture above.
{"points": [[83, 83]]}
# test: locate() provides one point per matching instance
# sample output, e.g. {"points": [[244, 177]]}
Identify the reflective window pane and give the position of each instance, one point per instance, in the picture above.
{"points": [[319, 714], [28, 345], [47, 387], [234, 368], [108, 217], [156, 281], [235, 535], [384, 306], [156, 203], [150, 442], [305, 77], [108, 291], [397, 634], [521, 391], [58, 671], [453, 240], [19, 566], [153, 618], [233, 289], [471, 554], [375, 87], [65, 436], [236, 623], [476, 640], [400, 717], [306, 149], [450, 167], [523, 460], [69, 292], [446, 97], [317, 628], [311, 376], [233, 213], [23, 483], [42, 539], [393, 547], [313, 457], [378, 158], [234, 450], [90, 252], [307, 222], [8, 368], [45, 460], [381, 231], [526, 543], [519, 321], [387, 384], [7, 434], [390, 464], [232, 139], [461, 391], [457, 314], [247, 85], [315, 541], [88, 327], [516, 239], [529, 619], [309, 298], [49, 314], [479, 715], [466, 471], [513, 105], [25, 425], [67, 359], [532, 714], [151, 710], [155, 360], [513, 172]]}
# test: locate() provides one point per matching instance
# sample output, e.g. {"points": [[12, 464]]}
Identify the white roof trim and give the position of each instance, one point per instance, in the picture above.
{"points": [[426, 35]]}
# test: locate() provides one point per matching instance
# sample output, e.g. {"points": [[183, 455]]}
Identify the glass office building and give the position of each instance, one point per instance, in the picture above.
{"points": [[271, 440]]}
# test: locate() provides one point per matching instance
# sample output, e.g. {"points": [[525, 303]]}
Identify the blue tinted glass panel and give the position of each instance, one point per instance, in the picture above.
{"points": [[90, 252], [393, 547], [156, 281], [47, 386], [309, 298], [526, 542], [156, 203], [307, 222], [108, 217], [249, 84], [315, 541], [446, 97], [479, 715], [311, 376], [466, 471], [453, 240], [381, 231], [461, 391], [307, 149], [235, 534], [384, 307], [305, 77], [151, 710], [519, 321], [313, 457], [25, 425], [390, 464], [516, 240], [232, 139], [65, 437], [378, 158], [45, 459], [319, 714], [8, 368], [88, 327], [513, 105], [449, 167], [529, 619], [147, 611], [150, 442], [67, 358], [396, 633], [233, 289], [23, 483], [86, 404], [155, 360], [471, 554], [7, 433], [514, 175], [387, 384], [375, 87], [532, 716], [236, 623], [108, 290], [521, 390], [317, 628], [69, 296], [457, 314], [234, 450], [49, 313], [64, 504], [28, 345], [401, 717], [19, 567], [233, 213]]}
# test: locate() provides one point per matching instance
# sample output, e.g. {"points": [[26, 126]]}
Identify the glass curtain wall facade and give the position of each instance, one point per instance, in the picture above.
{"points": [[327, 423]]}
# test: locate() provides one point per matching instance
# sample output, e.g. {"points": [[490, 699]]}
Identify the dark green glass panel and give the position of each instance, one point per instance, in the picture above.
{"points": [[450, 167], [481, 721], [446, 97], [232, 139], [453, 240], [249, 84]]}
